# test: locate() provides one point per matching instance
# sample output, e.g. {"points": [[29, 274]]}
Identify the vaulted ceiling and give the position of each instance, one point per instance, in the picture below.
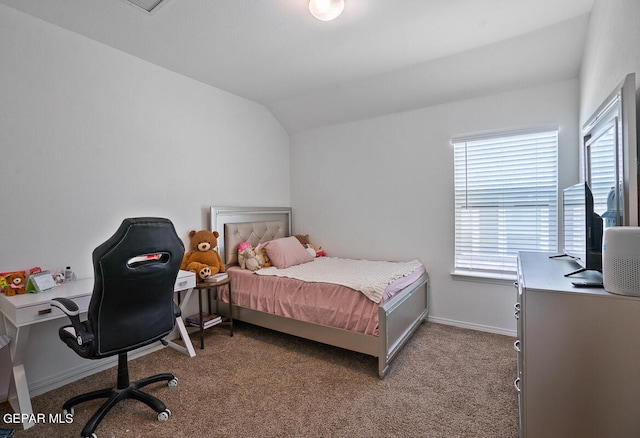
{"points": [[378, 57]]}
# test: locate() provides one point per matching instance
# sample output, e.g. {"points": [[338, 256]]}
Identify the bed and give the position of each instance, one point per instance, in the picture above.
{"points": [[293, 306]]}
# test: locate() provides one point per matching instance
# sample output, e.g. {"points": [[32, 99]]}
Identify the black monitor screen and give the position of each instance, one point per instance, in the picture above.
{"points": [[574, 210], [582, 227]]}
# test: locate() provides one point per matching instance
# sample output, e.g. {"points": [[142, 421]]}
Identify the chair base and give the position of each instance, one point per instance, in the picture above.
{"points": [[124, 389]]}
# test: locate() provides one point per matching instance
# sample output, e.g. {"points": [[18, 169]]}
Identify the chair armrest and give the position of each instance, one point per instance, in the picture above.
{"points": [[71, 309], [68, 306]]}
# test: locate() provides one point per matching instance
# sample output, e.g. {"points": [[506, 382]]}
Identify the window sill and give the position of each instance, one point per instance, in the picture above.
{"points": [[477, 277]]}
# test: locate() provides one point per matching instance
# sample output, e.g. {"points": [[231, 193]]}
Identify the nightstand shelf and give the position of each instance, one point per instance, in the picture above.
{"points": [[209, 288]]}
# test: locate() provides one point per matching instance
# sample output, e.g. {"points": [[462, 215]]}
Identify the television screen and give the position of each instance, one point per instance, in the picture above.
{"points": [[582, 228], [574, 225]]}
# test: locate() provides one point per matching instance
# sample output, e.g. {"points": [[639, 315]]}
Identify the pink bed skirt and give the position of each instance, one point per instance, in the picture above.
{"points": [[320, 303]]}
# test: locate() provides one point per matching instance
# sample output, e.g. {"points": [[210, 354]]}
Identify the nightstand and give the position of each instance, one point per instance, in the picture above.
{"points": [[212, 288]]}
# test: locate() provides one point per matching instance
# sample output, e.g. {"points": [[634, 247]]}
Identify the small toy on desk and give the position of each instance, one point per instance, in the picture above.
{"points": [[203, 260], [247, 257], [14, 283], [58, 277], [61, 276]]}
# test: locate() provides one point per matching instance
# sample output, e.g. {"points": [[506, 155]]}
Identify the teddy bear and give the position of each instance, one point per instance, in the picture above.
{"points": [[15, 284], [204, 260], [304, 241], [261, 255], [247, 257]]}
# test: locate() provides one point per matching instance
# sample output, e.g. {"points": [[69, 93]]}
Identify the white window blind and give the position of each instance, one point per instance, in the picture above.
{"points": [[506, 200]]}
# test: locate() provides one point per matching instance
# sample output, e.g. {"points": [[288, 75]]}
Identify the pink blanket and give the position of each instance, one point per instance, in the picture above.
{"points": [[321, 303]]}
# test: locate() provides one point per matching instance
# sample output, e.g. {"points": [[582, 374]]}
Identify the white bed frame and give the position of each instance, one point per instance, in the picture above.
{"points": [[398, 318]]}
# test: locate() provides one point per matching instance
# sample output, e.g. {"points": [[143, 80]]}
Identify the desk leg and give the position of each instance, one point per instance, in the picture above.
{"points": [[19, 397], [184, 334], [5, 364]]}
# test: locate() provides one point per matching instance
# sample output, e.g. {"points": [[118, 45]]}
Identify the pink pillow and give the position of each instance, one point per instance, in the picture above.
{"points": [[286, 251]]}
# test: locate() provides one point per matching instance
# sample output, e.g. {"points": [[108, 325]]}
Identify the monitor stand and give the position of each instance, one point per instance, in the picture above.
{"points": [[575, 272], [557, 256]]}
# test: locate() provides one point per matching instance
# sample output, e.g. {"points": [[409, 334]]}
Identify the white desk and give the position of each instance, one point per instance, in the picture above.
{"points": [[19, 312]]}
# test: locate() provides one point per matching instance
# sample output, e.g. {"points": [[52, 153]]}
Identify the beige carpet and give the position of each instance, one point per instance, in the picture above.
{"points": [[447, 382]]}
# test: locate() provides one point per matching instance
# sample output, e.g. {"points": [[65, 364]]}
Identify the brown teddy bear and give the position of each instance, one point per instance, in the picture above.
{"points": [[15, 284], [204, 260], [304, 240]]}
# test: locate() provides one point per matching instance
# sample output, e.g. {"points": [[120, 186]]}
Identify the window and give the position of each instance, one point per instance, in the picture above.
{"points": [[506, 200]]}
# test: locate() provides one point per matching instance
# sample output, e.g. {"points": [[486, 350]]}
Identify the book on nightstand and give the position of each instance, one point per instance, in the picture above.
{"points": [[217, 278], [208, 320]]}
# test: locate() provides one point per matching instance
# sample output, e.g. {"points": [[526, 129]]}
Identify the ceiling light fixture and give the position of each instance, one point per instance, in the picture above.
{"points": [[326, 10], [149, 6]]}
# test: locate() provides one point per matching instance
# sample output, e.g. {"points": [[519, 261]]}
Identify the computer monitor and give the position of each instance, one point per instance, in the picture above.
{"points": [[582, 228]]}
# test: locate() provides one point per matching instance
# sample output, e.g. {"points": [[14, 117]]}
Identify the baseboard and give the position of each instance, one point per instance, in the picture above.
{"points": [[468, 325]]}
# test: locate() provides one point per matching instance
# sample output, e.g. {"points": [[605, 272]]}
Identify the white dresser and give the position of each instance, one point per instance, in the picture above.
{"points": [[578, 354]]}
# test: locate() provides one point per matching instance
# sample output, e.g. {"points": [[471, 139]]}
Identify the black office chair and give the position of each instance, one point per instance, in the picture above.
{"points": [[132, 306]]}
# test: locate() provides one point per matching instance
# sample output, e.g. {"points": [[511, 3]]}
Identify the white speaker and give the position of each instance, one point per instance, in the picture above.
{"points": [[621, 260]]}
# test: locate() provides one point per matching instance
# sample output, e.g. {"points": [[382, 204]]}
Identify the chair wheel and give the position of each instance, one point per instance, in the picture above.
{"points": [[164, 415], [173, 382]]}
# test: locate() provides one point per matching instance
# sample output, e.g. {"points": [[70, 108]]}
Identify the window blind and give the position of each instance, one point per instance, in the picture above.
{"points": [[506, 199]]}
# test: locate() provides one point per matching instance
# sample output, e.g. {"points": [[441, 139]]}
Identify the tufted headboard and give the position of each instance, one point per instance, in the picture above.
{"points": [[252, 224]]}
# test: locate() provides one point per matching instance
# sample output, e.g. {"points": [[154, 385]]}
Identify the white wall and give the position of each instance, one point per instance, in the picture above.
{"points": [[90, 135], [382, 188], [611, 52]]}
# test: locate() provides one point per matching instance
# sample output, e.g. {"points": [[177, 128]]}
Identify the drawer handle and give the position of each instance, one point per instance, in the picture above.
{"points": [[516, 345], [516, 384], [44, 311]]}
